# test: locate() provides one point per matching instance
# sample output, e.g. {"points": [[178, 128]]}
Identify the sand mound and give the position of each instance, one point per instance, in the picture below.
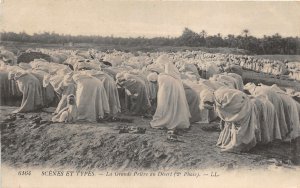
{"points": [[100, 146]]}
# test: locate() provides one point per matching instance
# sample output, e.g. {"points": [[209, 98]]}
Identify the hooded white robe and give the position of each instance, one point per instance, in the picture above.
{"points": [[110, 88], [31, 89], [91, 98], [67, 114], [172, 108], [239, 114]]}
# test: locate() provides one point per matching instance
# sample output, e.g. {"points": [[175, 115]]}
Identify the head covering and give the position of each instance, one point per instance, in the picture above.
{"points": [[11, 75], [25, 66], [120, 76], [68, 78], [62, 72], [77, 77], [82, 65], [171, 70], [250, 87], [128, 76], [275, 88], [135, 71], [205, 96], [93, 72], [233, 105], [16, 74], [191, 76], [69, 97], [152, 77], [155, 68], [46, 80], [163, 59]]}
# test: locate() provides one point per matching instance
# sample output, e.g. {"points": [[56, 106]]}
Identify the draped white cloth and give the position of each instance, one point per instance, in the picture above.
{"points": [[110, 87], [172, 108], [238, 111], [91, 98], [31, 89], [67, 114]]}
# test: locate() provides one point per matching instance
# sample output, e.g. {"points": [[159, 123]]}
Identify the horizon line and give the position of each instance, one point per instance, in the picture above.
{"points": [[146, 37]]}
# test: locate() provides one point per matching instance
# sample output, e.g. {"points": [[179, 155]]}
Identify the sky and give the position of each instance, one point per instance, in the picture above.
{"points": [[149, 19]]}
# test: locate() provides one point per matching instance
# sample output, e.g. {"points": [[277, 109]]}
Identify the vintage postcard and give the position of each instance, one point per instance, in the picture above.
{"points": [[157, 93]]}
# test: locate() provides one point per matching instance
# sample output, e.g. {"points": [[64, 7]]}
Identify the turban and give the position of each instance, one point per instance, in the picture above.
{"points": [[135, 71], [152, 77], [62, 72], [171, 70], [16, 74], [163, 59], [11, 75], [68, 78], [120, 76], [206, 95], [250, 87], [25, 66], [155, 68]]}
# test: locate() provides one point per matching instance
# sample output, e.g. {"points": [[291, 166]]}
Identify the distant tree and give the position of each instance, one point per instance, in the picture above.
{"points": [[203, 34], [190, 38], [215, 41], [230, 41], [274, 44], [245, 32]]}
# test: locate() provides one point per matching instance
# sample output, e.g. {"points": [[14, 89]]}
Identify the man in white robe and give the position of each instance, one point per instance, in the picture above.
{"points": [[31, 89], [110, 88], [239, 114], [91, 98], [69, 113], [172, 110]]}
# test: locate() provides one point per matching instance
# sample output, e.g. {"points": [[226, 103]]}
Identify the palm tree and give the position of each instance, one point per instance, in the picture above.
{"points": [[245, 32], [203, 34]]}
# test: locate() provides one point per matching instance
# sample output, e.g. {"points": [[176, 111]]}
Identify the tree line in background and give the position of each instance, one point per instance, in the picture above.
{"points": [[274, 44]]}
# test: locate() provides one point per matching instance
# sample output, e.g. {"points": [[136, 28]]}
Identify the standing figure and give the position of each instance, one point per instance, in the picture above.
{"points": [[172, 110]]}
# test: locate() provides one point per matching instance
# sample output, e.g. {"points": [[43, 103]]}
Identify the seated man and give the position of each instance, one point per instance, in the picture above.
{"points": [[69, 113], [63, 85]]}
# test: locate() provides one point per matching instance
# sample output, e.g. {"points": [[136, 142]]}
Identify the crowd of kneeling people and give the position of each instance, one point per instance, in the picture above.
{"points": [[250, 114]]}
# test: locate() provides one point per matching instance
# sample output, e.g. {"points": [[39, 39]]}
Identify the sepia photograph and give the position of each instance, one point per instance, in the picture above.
{"points": [[159, 93]]}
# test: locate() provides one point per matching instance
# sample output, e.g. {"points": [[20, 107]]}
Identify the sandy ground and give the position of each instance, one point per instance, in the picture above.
{"points": [[100, 146]]}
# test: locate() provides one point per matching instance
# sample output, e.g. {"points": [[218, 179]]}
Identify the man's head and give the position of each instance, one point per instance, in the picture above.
{"points": [[152, 77], [71, 99], [206, 99], [120, 77]]}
